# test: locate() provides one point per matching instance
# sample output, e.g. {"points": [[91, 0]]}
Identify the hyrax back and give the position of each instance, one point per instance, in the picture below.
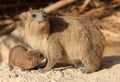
{"points": [[69, 39], [19, 56]]}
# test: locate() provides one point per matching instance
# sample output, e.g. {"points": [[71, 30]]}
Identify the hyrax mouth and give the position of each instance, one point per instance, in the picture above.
{"points": [[44, 17], [43, 20]]}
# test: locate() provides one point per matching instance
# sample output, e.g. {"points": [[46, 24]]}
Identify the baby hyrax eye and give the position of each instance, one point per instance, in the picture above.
{"points": [[40, 55]]}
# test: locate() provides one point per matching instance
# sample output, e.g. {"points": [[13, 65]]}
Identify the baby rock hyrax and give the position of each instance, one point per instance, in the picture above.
{"points": [[69, 39], [19, 56]]}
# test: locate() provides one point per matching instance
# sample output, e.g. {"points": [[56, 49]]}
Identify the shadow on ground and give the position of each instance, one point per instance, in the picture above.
{"points": [[107, 62], [110, 61]]}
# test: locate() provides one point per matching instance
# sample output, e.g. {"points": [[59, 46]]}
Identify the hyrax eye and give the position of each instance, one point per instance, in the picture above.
{"points": [[34, 15], [30, 58]]}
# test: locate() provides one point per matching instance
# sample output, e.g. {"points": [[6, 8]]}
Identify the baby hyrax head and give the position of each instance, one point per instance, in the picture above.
{"points": [[20, 57], [33, 58], [35, 21]]}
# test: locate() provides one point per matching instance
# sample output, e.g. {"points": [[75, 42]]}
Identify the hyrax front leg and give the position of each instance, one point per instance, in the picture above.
{"points": [[90, 63], [54, 54], [50, 63]]}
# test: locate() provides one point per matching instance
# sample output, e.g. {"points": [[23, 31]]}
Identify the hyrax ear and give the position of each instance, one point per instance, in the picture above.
{"points": [[30, 9], [23, 16]]}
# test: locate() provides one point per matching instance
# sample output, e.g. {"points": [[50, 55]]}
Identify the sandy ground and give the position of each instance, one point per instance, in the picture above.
{"points": [[110, 72]]}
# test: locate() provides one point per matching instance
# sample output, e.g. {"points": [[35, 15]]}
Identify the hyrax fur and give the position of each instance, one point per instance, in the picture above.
{"points": [[25, 59], [70, 39]]}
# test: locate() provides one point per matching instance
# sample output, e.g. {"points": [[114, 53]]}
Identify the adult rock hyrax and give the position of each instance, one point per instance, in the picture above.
{"points": [[25, 59], [70, 39]]}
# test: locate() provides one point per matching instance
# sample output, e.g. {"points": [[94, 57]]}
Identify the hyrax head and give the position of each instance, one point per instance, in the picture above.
{"points": [[35, 21]]}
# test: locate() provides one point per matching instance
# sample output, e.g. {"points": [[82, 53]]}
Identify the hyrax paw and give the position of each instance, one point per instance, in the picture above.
{"points": [[83, 70], [42, 71]]}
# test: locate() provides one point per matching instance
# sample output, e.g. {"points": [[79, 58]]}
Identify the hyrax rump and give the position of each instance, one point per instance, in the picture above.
{"points": [[70, 39], [20, 57]]}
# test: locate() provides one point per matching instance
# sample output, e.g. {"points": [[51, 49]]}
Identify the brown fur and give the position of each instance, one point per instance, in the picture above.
{"points": [[19, 56], [70, 39]]}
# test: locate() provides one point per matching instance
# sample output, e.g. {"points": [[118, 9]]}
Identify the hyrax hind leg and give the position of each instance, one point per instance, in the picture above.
{"points": [[90, 63]]}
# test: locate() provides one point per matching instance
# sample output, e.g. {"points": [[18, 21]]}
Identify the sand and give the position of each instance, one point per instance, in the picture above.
{"points": [[109, 73]]}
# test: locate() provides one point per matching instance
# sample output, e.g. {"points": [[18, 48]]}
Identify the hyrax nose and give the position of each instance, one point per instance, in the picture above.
{"points": [[44, 14]]}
